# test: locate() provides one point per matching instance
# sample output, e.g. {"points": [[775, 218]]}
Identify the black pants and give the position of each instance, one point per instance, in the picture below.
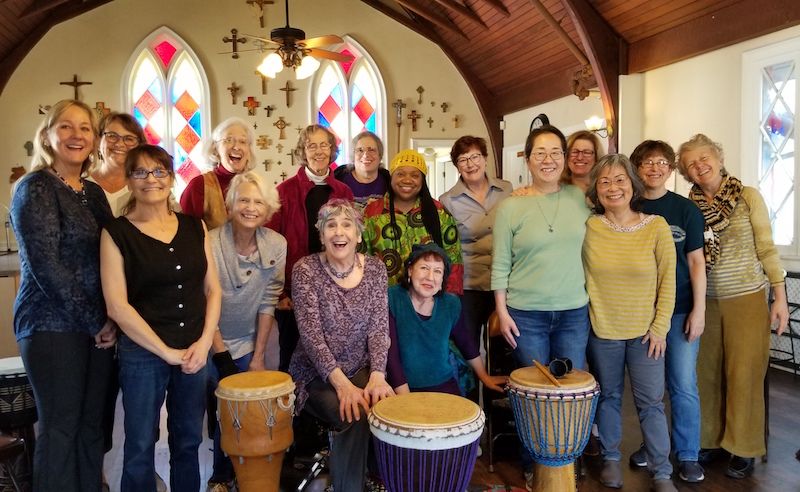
{"points": [[70, 379], [288, 336]]}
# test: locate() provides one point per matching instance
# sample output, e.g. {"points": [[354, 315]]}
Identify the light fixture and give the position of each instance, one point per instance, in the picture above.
{"points": [[308, 65], [598, 126], [271, 65]]}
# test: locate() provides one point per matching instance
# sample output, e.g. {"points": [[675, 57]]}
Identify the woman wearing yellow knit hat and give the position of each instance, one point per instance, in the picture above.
{"points": [[408, 215]]}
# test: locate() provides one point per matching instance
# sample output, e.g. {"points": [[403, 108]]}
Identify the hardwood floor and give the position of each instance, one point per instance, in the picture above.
{"points": [[781, 473]]}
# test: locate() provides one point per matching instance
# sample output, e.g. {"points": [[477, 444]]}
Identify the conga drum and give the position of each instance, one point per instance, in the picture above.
{"points": [[17, 416], [553, 422], [426, 442], [255, 411]]}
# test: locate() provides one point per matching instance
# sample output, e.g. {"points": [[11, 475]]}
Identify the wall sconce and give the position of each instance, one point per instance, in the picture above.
{"points": [[597, 125]]}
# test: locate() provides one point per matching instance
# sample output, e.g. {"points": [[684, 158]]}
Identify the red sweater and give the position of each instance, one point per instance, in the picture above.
{"points": [[194, 194], [291, 220]]}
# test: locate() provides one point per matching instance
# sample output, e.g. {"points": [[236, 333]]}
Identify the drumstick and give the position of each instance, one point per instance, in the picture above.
{"points": [[546, 373]]}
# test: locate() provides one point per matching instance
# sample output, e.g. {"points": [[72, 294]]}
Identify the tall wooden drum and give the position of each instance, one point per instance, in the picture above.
{"points": [[553, 422], [426, 442], [255, 411]]}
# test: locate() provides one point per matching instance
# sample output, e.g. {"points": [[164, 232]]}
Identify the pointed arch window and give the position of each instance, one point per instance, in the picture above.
{"points": [[165, 88], [349, 97]]}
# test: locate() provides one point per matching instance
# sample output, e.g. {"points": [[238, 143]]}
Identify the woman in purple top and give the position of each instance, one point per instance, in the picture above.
{"points": [[342, 315], [365, 176]]}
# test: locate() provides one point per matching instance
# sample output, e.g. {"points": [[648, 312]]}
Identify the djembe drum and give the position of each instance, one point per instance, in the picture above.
{"points": [[553, 422], [255, 418], [426, 441], [17, 416]]}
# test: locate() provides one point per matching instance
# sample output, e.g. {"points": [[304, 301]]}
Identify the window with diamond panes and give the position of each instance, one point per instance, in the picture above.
{"points": [[168, 95], [349, 97]]}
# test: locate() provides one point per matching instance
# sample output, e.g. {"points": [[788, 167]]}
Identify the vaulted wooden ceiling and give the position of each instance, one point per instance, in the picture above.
{"points": [[513, 54]]}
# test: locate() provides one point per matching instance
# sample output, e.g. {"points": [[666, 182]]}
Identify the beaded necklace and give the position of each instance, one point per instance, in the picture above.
{"points": [[80, 193]]}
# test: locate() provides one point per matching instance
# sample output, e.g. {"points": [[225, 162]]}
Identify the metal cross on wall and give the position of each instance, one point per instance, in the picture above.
{"points": [[234, 40], [281, 125]]}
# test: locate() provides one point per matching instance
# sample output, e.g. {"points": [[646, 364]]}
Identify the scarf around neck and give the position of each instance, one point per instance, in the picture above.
{"points": [[716, 214]]}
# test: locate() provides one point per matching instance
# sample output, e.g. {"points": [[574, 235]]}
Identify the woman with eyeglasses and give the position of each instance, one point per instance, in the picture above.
{"points": [[161, 288], [231, 152], [583, 151], [301, 197], [119, 133], [473, 202], [60, 321], [629, 258], [365, 177]]}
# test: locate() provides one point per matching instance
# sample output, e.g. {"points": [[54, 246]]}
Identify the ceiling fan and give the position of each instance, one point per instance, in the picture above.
{"points": [[292, 50]]}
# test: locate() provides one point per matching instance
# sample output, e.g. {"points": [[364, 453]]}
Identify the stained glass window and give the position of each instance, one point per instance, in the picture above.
{"points": [[168, 94], [349, 97], [777, 162]]}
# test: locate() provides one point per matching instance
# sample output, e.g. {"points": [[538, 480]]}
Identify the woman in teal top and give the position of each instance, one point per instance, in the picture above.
{"points": [[537, 275], [422, 318]]}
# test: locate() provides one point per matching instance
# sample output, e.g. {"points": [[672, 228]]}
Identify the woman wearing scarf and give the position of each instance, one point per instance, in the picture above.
{"points": [[742, 263]]}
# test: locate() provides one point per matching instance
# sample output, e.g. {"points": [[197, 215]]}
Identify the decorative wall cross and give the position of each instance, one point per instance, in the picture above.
{"points": [[234, 90], [398, 106], [251, 104], [414, 116], [280, 149], [101, 109], [444, 107], [75, 84], [269, 109], [28, 148], [283, 176], [420, 90], [258, 7], [288, 89], [456, 121], [281, 125], [234, 40], [263, 142], [267, 165], [430, 122], [264, 80], [291, 156], [44, 109]]}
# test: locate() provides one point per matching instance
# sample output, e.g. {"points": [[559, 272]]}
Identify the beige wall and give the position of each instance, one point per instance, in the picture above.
{"points": [[97, 46]]}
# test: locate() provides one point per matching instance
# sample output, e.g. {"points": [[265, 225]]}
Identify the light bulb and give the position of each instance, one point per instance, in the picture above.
{"points": [[271, 65], [307, 67]]}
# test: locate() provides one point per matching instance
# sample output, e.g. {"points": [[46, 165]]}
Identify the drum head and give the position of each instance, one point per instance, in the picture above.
{"points": [[255, 385], [426, 411], [531, 377]]}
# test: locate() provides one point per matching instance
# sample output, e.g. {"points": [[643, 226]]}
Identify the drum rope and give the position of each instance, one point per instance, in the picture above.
{"points": [[269, 411], [235, 422]]}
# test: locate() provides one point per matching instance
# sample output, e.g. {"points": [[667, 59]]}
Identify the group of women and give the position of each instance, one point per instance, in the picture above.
{"points": [[382, 295]]}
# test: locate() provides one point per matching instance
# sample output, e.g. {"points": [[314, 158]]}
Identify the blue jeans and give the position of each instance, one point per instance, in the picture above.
{"points": [[545, 335], [608, 359], [223, 468], [146, 380], [683, 395]]}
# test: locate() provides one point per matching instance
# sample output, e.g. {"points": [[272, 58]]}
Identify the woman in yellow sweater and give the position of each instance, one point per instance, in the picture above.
{"points": [[742, 263], [629, 260]]}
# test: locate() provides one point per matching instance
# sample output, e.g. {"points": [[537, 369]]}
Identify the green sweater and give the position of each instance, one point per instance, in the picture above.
{"points": [[630, 276], [539, 269]]}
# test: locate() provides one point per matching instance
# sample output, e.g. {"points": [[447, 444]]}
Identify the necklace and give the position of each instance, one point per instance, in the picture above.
{"points": [[81, 194], [343, 275], [553, 220]]}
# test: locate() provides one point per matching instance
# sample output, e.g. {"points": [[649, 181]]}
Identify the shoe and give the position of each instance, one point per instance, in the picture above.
{"points": [[639, 458], [740, 467], [664, 485], [706, 456], [611, 476], [691, 471]]}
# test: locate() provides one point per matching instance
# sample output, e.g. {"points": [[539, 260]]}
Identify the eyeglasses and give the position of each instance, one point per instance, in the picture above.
{"points": [[314, 147], [128, 140], [540, 156], [654, 163], [361, 151], [618, 181], [474, 158], [158, 173], [242, 142], [585, 153]]}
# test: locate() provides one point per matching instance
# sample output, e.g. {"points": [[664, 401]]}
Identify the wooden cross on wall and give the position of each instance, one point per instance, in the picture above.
{"points": [[283, 176], [414, 116], [281, 125], [234, 40], [251, 104], [75, 84], [267, 165], [234, 90], [398, 106], [288, 89], [258, 7], [269, 109], [263, 142], [264, 80], [101, 109], [291, 156], [430, 122]]}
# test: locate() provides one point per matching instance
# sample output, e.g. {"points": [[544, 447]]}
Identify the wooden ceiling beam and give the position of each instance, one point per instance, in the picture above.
{"points": [[607, 53], [498, 6], [732, 24], [560, 32], [40, 6], [533, 92], [62, 13], [431, 16], [485, 99], [463, 11]]}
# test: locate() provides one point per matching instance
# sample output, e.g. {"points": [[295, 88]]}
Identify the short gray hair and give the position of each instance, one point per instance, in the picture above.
{"points": [[606, 162], [339, 206], [210, 145], [268, 192]]}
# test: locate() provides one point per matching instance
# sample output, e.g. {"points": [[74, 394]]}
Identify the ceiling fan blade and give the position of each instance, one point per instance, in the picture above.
{"points": [[259, 38], [329, 55], [320, 41]]}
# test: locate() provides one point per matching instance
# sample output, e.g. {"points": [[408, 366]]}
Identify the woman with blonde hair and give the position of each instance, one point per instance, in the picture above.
{"points": [[60, 320], [583, 150], [742, 266]]}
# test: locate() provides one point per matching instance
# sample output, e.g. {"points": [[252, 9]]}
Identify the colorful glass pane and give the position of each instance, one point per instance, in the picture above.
{"points": [[147, 94], [329, 109], [165, 51], [186, 106], [347, 65]]}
